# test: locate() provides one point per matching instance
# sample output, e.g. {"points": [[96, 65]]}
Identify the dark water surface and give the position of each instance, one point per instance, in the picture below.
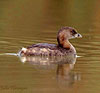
{"points": [[24, 22]]}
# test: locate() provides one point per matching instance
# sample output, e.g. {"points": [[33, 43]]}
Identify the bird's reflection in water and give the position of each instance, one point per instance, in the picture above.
{"points": [[65, 65], [65, 75]]}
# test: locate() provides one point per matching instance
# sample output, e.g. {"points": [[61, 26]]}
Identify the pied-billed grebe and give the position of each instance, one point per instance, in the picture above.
{"points": [[64, 47]]}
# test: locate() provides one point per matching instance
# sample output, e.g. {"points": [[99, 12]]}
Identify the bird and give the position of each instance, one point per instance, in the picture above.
{"points": [[63, 48]]}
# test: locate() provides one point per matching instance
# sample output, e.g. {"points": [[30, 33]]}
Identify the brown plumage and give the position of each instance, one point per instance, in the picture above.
{"points": [[64, 47]]}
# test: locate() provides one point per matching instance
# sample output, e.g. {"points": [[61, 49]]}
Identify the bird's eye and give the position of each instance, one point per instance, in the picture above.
{"points": [[74, 32]]}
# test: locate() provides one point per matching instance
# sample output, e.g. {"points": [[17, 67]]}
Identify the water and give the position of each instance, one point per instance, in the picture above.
{"points": [[24, 22]]}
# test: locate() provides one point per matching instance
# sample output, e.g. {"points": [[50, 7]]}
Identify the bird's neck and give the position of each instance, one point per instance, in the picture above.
{"points": [[67, 45]]}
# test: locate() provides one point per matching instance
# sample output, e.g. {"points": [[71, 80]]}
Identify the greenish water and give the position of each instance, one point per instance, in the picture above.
{"points": [[24, 22]]}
